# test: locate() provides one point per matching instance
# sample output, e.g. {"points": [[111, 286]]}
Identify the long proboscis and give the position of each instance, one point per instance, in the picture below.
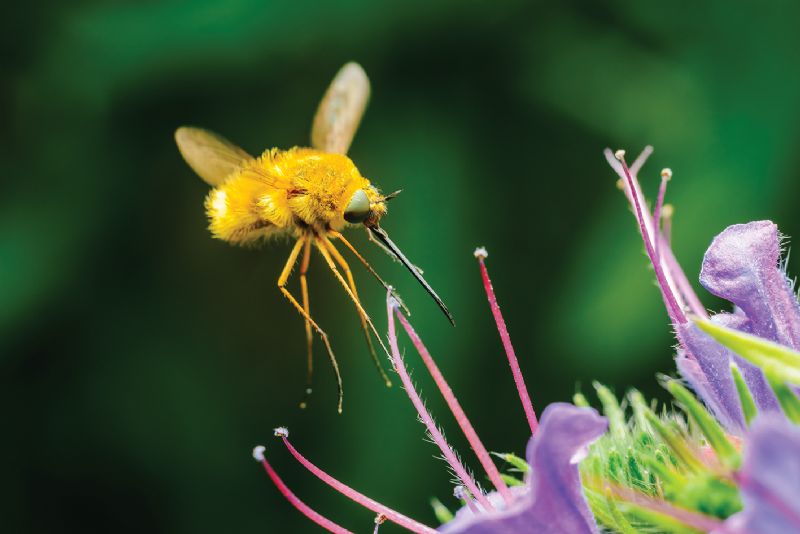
{"points": [[383, 238]]}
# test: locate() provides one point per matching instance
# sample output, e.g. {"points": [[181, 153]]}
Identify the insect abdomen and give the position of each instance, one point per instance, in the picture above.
{"points": [[243, 211]]}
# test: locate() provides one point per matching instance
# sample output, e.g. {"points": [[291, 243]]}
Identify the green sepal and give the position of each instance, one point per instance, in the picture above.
{"points": [[442, 513], [639, 406], [675, 442], [620, 523], [664, 470], [786, 397], [709, 495], [784, 361], [709, 426], [516, 462], [660, 522], [749, 408], [612, 410], [511, 481], [579, 399]]}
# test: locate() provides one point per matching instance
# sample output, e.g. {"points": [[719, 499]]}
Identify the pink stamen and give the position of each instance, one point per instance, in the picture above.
{"points": [[666, 176], [426, 418], [461, 418], [324, 522], [666, 225], [663, 231], [685, 288], [641, 159], [530, 414], [673, 308], [676, 279], [350, 493]]}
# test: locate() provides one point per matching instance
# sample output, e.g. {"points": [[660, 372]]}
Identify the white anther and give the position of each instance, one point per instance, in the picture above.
{"points": [[282, 432], [619, 154], [258, 453], [666, 173], [481, 253]]}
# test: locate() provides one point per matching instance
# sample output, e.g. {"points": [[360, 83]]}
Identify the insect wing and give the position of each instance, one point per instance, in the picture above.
{"points": [[340, 110], [211, 156]]}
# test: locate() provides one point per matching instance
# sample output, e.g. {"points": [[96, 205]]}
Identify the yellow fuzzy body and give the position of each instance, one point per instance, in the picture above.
{"points": [[287, 192]]}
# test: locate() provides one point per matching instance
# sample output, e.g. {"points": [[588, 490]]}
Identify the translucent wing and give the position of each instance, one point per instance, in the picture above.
{"points": [[340, 110], [211, 156]]}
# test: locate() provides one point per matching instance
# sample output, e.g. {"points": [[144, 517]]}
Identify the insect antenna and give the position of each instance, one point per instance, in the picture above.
{"points": [[392, 195], [383, 238]]}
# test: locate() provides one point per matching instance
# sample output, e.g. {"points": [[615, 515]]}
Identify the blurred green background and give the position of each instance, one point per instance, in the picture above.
{"points": [[141, 360]]}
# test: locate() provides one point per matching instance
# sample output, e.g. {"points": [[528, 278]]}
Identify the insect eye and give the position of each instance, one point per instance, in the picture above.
{"points": [[358, 208]]}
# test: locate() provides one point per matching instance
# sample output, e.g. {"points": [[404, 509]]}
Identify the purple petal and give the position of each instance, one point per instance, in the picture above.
{"points": [[742, 265], [718, 390], [769, 479], [553, 501], [705, 364]]}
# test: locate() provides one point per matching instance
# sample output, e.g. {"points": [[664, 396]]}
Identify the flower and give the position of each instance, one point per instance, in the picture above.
{"points": [[740, 363], [680, 471], [551, 499], [769, 480], [743, 266]]}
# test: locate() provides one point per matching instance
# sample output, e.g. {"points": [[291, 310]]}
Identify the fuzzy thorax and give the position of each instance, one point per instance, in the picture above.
{"points": [[283, 191]]}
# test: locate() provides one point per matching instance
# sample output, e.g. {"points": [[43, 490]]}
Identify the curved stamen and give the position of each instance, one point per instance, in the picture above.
{"points": [[458, 412], [673, 273], [426, 418], [324, 522], [673, 308], [519, 380], [666, 176], [350, 493]]}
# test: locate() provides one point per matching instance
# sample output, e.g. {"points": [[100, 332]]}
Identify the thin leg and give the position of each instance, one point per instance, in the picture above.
{"points": [[309, 335], [326, 248], [361, 314], [287, 270], [386, 286]]}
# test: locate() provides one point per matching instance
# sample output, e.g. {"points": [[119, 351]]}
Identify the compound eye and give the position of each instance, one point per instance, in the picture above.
{"points": [[358, 209]]}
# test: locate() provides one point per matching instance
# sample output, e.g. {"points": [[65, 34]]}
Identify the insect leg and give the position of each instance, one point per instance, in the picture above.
{"points": [[326, 248], [386, 286], [361, 314], [284, 277], [307, 308]]}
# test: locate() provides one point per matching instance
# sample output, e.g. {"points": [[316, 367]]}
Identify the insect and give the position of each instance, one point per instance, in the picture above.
{"points": [[310, 194]]}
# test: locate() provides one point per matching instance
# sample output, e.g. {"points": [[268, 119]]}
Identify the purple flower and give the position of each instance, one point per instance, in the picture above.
{"points": [[550, 500], [769, 480], [743, 266]]}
